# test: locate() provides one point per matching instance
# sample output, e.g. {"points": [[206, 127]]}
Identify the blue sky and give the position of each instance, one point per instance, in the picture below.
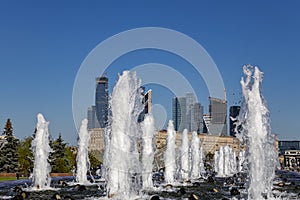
{"points": [[42, 45]]}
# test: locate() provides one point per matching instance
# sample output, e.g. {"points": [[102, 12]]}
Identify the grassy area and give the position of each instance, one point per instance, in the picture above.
{"points": [[11, 178]]}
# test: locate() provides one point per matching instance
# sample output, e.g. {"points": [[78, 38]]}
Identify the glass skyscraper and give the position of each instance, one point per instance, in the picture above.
{"points": [[197, 123], [218, 116], [101, 100], [179, 113], [190, 118], [92, 118], [147, 103], [187, 113]]}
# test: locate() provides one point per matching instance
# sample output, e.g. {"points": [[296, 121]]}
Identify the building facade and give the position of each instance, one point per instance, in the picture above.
{"points": [[206, 123], [187, 113], [96, 139], [92, 118], [197, 124], [218, 116], [285, 145], [234, 111], [292, 159], [179, 113], [190, 116], [147, 104], [101, 100], [209, 143]]}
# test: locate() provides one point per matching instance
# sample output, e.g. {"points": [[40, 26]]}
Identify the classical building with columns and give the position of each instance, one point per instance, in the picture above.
{"points": [[96, 139], [292, 159], [210, 143]]}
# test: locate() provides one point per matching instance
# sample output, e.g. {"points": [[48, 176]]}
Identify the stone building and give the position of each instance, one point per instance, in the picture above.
{"points": [[210, 143], [292, 159], [96, 139]]}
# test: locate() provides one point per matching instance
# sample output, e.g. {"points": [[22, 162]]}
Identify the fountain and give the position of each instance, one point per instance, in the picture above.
{"points": [[123, 165], [256, 131], [129, 155], [82, 159], [170, 157], [225, 161], [185, 168], [201, 164], [216, 161], [41, 149], [195, 172], [220, 162], [148, 152], [241, 161], [233, 164], [105, 164]]}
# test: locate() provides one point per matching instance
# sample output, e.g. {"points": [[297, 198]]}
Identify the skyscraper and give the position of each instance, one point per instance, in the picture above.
{"points": [[92, 118], [101, 100], [179, 113], [190, 116], [147, 103], [197, 123], [187, 113], [234, 111], [206, 123], [218, 115]]}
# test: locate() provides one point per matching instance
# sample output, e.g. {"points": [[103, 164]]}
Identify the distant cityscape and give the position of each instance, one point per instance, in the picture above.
{"points": [[188, 114]]}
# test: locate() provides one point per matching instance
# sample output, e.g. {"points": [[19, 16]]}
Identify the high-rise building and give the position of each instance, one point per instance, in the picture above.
{"points": [[187, 113], [92, 118], [175, 113], [234, 111], [101, 100], [218, 115], [147, 103], [190, 116], [197, 123], [206, 123], [179, 113]]}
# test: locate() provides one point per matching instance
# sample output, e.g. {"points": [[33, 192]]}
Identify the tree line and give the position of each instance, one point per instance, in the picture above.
{"points": [[16, 155]]}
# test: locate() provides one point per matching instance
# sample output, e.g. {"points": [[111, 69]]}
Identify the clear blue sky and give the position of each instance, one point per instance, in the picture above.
{"points": [[42, 45]]}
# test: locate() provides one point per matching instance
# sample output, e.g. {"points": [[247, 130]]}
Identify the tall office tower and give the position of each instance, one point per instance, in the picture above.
{"points": [[147, 102], [92, 118], [179, 113], [197, 123], [190, 116], [102, 100], [187, 113], [234, 111], [206, 123], [218, 115], [175, 113]]}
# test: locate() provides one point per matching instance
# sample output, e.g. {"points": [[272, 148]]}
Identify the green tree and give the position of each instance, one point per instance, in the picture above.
{"points": [[9, 152], [94, 162], [25, 156], [59, 158], [71, 156]]}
